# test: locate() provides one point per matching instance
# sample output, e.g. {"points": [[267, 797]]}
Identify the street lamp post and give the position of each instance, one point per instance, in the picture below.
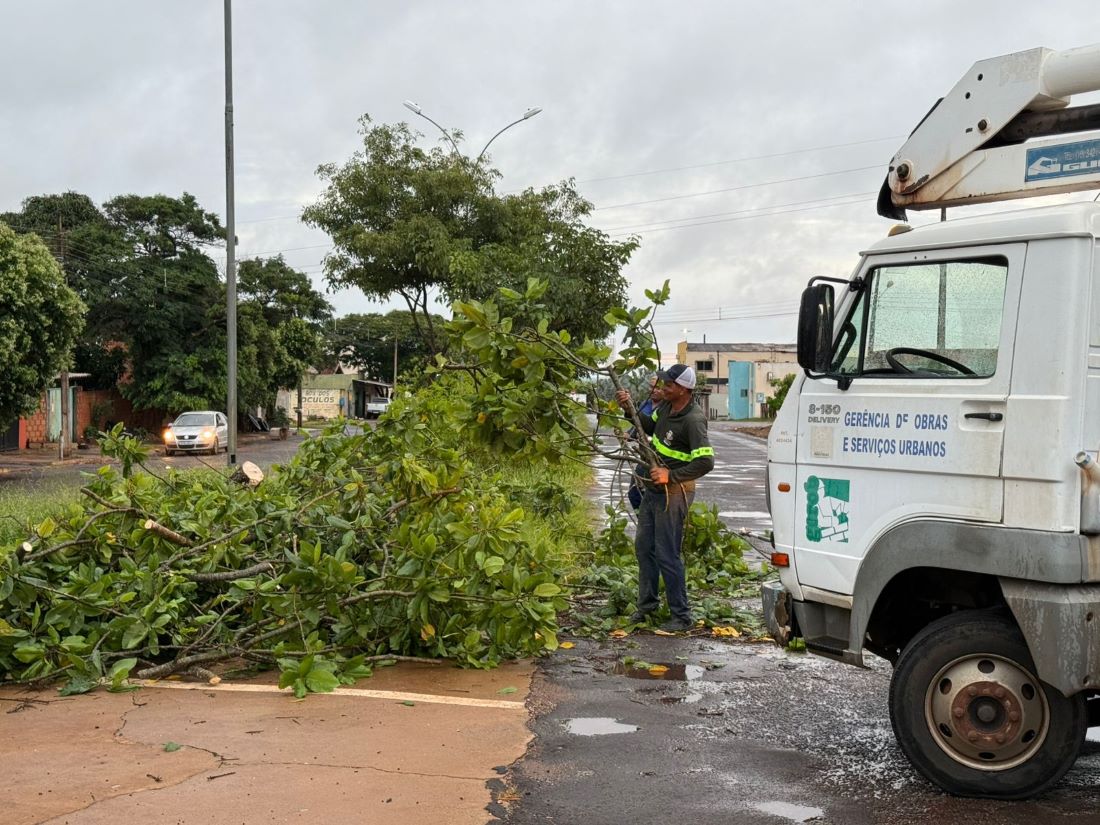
{"points": [[412, 107], [415, 109], [530, 113], [230, 246]]}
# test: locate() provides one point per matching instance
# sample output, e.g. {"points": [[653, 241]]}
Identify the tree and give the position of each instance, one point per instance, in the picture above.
{"points": [[781, 387], [164, 298], [366, 341], [69, 224], [279, 317], [410, 222], [40, 320], [141, 268], [281, 291]]}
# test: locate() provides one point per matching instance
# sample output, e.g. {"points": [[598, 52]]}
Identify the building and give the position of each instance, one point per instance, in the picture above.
{"points": [[738, 375], [332, 395], [89, 410]]}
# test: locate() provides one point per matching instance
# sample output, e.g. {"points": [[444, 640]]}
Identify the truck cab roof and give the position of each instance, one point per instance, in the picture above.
{"points": [[1064, 220]]}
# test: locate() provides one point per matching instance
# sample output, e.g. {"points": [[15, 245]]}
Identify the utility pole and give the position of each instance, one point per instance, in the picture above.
{"points": [[230, 243], [393, 389], [64, 371]]}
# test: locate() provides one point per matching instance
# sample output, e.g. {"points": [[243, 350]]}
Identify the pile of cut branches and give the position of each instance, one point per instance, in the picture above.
{"points": [[382, 545]]}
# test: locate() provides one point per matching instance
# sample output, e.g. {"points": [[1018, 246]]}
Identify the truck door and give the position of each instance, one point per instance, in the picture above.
{"points": [[927, 346]]}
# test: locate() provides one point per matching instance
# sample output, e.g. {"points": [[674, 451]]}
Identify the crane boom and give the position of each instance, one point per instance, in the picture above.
{"points": [[1005, 131]]}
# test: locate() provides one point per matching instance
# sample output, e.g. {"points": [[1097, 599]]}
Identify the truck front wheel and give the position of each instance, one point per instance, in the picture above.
{"points": [[971, 715]]}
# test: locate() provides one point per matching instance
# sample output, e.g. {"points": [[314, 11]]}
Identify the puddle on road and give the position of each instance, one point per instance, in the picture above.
{"points": [[789, 811], [597, 726], [686, 699], [677, 672], [1093, 735]]}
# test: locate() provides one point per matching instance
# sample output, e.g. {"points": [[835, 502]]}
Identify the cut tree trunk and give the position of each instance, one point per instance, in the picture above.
{"points": [[248, 473]]}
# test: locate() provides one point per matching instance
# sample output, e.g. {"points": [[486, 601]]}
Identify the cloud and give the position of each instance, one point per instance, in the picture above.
{"points": [[127, 96]]}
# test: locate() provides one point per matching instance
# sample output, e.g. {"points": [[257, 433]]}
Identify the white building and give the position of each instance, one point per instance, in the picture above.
{"points": [[738, 376]]}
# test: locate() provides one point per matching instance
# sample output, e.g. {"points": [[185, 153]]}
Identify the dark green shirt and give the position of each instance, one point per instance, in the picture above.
{"points": [[680, 439]]}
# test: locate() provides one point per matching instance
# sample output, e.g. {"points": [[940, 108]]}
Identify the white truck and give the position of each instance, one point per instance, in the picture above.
{"points": [[932, 476]]}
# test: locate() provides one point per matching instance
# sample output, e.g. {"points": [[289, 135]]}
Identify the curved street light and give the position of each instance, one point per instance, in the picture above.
{"points": [[530, 113], [415, 109]]}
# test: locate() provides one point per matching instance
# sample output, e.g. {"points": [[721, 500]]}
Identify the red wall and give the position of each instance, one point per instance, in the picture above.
{"points": [[32, 430]]}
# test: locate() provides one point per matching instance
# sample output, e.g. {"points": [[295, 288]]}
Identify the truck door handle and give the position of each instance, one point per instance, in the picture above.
{"points": [[988, 416]]}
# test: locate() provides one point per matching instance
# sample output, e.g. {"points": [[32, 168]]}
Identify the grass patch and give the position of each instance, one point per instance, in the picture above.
{"points": [[24, 506]]}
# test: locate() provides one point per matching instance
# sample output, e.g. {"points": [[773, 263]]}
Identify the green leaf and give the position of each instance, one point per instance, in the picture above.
{"points": [[120, 670], [507, 691], [321, 681], [134, 634], [547, 590], [46, 527], [493, 565], [172, 747], [76, 685]]}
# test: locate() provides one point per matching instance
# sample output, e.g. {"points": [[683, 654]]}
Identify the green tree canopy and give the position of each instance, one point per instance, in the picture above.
{"points": [[366, 341], [281, 291], [40, 320], [419, 224]]}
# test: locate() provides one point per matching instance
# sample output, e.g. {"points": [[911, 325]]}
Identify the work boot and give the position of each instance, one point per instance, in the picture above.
{"points": [[675, 625], [638, 617]]}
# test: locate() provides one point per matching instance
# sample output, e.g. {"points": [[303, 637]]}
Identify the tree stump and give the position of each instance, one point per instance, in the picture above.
{"points": [[249, 474]]}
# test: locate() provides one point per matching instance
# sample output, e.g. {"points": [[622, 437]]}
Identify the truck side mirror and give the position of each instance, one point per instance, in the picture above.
{"points": [[815, 328]]}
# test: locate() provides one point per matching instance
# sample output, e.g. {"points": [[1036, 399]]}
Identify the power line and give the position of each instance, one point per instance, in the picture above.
{"points": [[822, 201], [745, 314], [741, 218], [741, 211], [739, 160], [737, 188], [648, 172]]}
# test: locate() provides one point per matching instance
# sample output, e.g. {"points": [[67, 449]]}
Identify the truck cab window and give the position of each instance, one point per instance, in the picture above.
{"points": [[926, 320]]}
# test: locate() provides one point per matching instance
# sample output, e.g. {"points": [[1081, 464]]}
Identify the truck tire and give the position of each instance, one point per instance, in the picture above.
{"points": [[969, 712]]}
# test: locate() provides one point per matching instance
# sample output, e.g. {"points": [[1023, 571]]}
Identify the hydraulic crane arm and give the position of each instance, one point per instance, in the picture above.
{"points": [[970, 148]]}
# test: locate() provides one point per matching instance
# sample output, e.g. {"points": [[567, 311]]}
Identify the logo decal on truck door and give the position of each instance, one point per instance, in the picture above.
{"points": [[827, 509]]}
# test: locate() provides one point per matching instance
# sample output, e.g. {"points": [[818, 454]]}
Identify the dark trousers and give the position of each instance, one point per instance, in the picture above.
{"points": [[657, 545]]}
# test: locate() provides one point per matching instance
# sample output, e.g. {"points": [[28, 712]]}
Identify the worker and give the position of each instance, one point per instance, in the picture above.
{"points": [[678, 435]]}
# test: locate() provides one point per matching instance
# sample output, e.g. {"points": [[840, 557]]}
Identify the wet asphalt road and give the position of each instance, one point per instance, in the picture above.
{"points": [[258, 448], [746, 733]]}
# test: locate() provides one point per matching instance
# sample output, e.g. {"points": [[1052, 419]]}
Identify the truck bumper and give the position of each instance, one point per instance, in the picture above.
{"points": [[1061, 624], [777, 611]]}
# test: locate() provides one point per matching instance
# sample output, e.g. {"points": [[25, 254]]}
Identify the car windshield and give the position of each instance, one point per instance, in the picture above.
{"points": [[195, 420]]}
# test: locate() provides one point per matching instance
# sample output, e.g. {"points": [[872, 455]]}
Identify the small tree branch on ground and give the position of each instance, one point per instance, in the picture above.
{"points": [[233, 575]]}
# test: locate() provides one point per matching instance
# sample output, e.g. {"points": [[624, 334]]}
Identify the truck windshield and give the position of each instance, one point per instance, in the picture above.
{"points": [[925, 320]]}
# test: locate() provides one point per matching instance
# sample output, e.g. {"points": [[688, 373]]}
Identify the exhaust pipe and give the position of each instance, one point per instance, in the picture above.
{"points": [[1091, 468], [1090, 493]]}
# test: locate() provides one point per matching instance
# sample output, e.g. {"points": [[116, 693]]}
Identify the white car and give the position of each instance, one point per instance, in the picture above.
{"points": [[195, 432]]}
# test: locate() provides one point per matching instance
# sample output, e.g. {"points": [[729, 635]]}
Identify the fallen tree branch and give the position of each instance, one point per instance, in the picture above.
{"points": [[233, 575], [167, 533]]}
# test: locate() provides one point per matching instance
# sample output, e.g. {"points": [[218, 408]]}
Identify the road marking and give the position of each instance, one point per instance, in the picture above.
{"points": [[393, 695]]}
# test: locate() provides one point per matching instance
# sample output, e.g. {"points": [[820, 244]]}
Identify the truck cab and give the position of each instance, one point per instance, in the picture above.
{"points": [[931, 475]]}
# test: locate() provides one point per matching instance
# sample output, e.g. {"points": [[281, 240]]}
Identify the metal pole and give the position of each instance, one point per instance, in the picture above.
{"points": [[393, 389], [530, 113], [64, 435], [230, 243]]}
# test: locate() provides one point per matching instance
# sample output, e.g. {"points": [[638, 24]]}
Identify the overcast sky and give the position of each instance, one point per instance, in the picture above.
{"points": [[116, 97]]}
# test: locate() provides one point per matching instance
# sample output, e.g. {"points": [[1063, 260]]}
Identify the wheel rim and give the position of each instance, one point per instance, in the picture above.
{"points": [[987, 712]]}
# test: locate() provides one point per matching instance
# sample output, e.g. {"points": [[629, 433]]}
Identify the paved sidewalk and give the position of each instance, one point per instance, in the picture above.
{"points": [[413, 744]]}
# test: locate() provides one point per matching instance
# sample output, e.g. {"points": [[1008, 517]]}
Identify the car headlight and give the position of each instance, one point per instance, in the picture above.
{"points": [[169, 435], [207, 434]]}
